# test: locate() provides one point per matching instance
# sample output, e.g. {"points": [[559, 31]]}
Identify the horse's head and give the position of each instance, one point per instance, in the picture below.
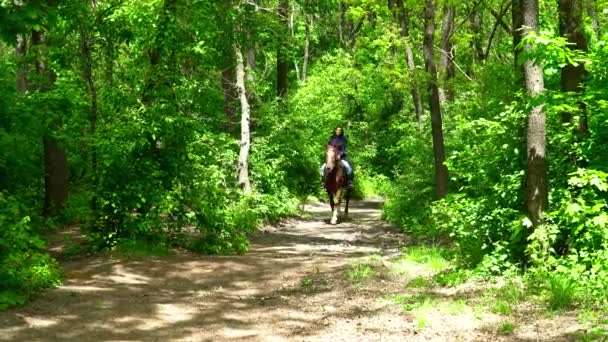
{"points": [[331, 157]]}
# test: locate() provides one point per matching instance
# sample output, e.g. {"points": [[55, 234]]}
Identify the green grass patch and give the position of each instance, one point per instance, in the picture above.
{"points": [[452, 277], [359, 272], [433, 258], [562, 292], [502, 307], [419, 282], [506, 328], [141, 248]]}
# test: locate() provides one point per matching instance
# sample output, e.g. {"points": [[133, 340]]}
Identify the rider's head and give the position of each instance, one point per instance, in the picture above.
{"points": [[339, 131]]}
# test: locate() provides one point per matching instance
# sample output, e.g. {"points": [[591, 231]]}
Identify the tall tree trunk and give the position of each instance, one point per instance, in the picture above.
{"points": [[536, 180], [477, 29], [517, 23], [86, 46], [308, 21], [243, 163], [446, 60], [592, 11], [571, 27], [22, 72], [55, 160], [281, 59], [403, 16], [441, 170]]}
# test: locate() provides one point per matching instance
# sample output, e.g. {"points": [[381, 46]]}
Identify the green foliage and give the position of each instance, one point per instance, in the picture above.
{"points": [[24, 267]]}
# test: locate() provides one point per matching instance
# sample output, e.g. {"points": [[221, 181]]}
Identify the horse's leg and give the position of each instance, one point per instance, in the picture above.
{"points": [[347, 199], [336, 215], [331, 200]]}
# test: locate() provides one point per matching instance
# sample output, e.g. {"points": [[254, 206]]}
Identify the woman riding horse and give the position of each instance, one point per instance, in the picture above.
{"points": [[335, 172], [339, 140]]}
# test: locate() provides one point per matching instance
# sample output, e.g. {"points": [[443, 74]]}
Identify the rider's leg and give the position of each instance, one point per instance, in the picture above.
{"points": [[349, 172]]}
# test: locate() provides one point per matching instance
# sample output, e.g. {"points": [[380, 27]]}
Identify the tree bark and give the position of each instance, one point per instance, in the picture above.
{"points": [[517, 23], [281, 59], [403, 16], [571, 27], [22, 72], [592, 11], [446, 65], [243, 163], [308, 21], [86, 46], [441, 170], [55, 160], [536, 180], [477, 28]]}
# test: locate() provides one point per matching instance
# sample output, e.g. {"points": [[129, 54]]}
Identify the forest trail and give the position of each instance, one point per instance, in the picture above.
{"points": [[291, 286]]}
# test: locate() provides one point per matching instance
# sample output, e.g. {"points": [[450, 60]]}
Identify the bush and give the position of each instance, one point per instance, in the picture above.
{"points": [[24, 267]]}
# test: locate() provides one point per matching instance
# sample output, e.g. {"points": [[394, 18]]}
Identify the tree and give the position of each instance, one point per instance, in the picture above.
{"points": [[536, 179], [571, 27], [243, 164], [281, 53], [446, 60], [403, 16], [441, 170], [55, 159]]}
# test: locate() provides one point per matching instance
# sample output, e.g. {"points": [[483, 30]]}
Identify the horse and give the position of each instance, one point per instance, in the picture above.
{"points": [[335, 182]]}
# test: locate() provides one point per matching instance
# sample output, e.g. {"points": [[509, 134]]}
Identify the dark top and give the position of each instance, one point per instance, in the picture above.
{"points": [[340, 142]]}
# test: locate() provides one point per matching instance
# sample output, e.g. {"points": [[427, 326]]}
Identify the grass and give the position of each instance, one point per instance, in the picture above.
{"points": [[433, 258], [359, 272], [502, 307], [562, 291], [141, 248], [419, 282], [506, 328]]}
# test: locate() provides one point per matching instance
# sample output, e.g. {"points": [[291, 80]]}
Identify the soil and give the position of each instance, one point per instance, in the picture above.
{"points": [[291, 286]]}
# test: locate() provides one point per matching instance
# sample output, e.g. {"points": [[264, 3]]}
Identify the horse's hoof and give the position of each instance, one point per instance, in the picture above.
{"points": [[333, 222]]}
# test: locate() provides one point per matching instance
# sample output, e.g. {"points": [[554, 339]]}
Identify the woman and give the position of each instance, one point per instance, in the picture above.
{"points": [[339, 140]]}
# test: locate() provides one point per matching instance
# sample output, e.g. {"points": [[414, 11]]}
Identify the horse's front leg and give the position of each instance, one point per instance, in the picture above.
{"points": [[336, 211]]}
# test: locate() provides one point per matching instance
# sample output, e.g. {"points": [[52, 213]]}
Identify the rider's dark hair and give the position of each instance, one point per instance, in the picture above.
{"points": [[335, 129]]}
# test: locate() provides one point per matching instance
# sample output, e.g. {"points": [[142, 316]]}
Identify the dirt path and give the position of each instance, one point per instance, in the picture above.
{"points": [[291, 286], [262, 295]]}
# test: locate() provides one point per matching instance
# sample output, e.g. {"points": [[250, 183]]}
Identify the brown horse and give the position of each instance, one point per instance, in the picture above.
{"points": [[335, 182]]}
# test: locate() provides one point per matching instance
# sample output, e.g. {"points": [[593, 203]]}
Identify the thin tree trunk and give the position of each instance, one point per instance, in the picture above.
{"points": [[592, 11], [281, 60], [536, 180], [441, 170], [243, 163], [501, 20], [571, 27], [517, 23], [502, 12], [477, 28], [86, 46], [403, 16], [22, 72], [308, 21], [55, 160], [446, 67]]}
